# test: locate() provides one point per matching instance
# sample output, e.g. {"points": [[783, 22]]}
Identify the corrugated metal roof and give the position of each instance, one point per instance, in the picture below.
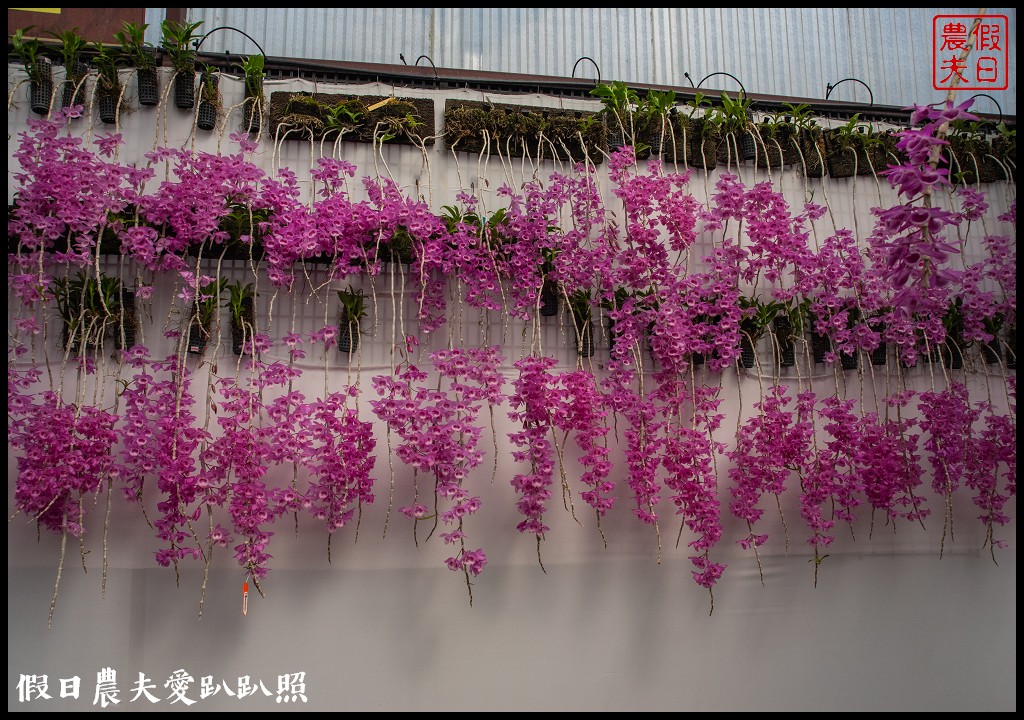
{"points": [[794, 52]]}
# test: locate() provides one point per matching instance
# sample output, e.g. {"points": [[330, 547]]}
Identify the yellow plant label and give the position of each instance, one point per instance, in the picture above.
{"points": [[381, 104]]}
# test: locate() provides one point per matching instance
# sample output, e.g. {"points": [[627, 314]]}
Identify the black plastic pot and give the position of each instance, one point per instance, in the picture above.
{"points": [[737, 147], [880, 354], [348, 338], [820, 345], [73, 92], [198, 337], [848, 360], [658, 140], [616, 135], [107, 103], [40, 94], [148, 86], [585, 338], [206, 116], [1005, 148], [783, 335], [65, 338], [747, 147], [197, 341], [41, 91], [185, 90], [549, 299], [748, 358]]}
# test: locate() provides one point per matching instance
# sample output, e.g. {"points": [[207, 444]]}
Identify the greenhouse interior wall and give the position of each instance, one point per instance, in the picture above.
{"points": [[594, 617]]}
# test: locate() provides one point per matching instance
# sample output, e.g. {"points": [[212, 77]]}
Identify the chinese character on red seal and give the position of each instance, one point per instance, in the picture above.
{"points": [[987, 65]]}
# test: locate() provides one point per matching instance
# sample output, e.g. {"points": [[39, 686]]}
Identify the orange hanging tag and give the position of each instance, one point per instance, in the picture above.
{"points": [[245, 598]]}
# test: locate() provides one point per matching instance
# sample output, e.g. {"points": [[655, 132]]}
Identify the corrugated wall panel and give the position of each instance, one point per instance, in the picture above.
{"points": [[777, 51]]}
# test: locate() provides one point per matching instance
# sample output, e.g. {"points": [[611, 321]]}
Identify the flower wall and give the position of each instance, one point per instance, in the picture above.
{"points": [[717, 369]]}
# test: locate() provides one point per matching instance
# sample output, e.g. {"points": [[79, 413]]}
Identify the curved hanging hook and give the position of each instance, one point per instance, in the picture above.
{"points": [[690, 79], [830, 87], [998, 106], [592, 63], [421, 57], [201, 40], [742, 89]]}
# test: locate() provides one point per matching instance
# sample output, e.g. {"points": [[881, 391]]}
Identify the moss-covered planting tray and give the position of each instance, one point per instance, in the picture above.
{"points": [[515, 131], [355, 118]]}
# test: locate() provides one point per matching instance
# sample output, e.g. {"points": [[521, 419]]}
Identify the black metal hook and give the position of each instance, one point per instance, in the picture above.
{"points": [[830, 87], [742, 89], [424, 57], [687, 76], [592, 63], [998, 106], [201, 40]]}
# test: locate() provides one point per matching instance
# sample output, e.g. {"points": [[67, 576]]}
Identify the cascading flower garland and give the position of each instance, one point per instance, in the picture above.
{"points": [[948, 419], [66, 457], [161, 438], [993, 473], [583, 413], [339, 456], [439, 437], [691, 474], [888, 453], [236, 463], [535, 395], [768, 448]]}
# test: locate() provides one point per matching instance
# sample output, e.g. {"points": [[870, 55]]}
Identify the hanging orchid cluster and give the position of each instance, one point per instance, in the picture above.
{"points": [[664, 277]]}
